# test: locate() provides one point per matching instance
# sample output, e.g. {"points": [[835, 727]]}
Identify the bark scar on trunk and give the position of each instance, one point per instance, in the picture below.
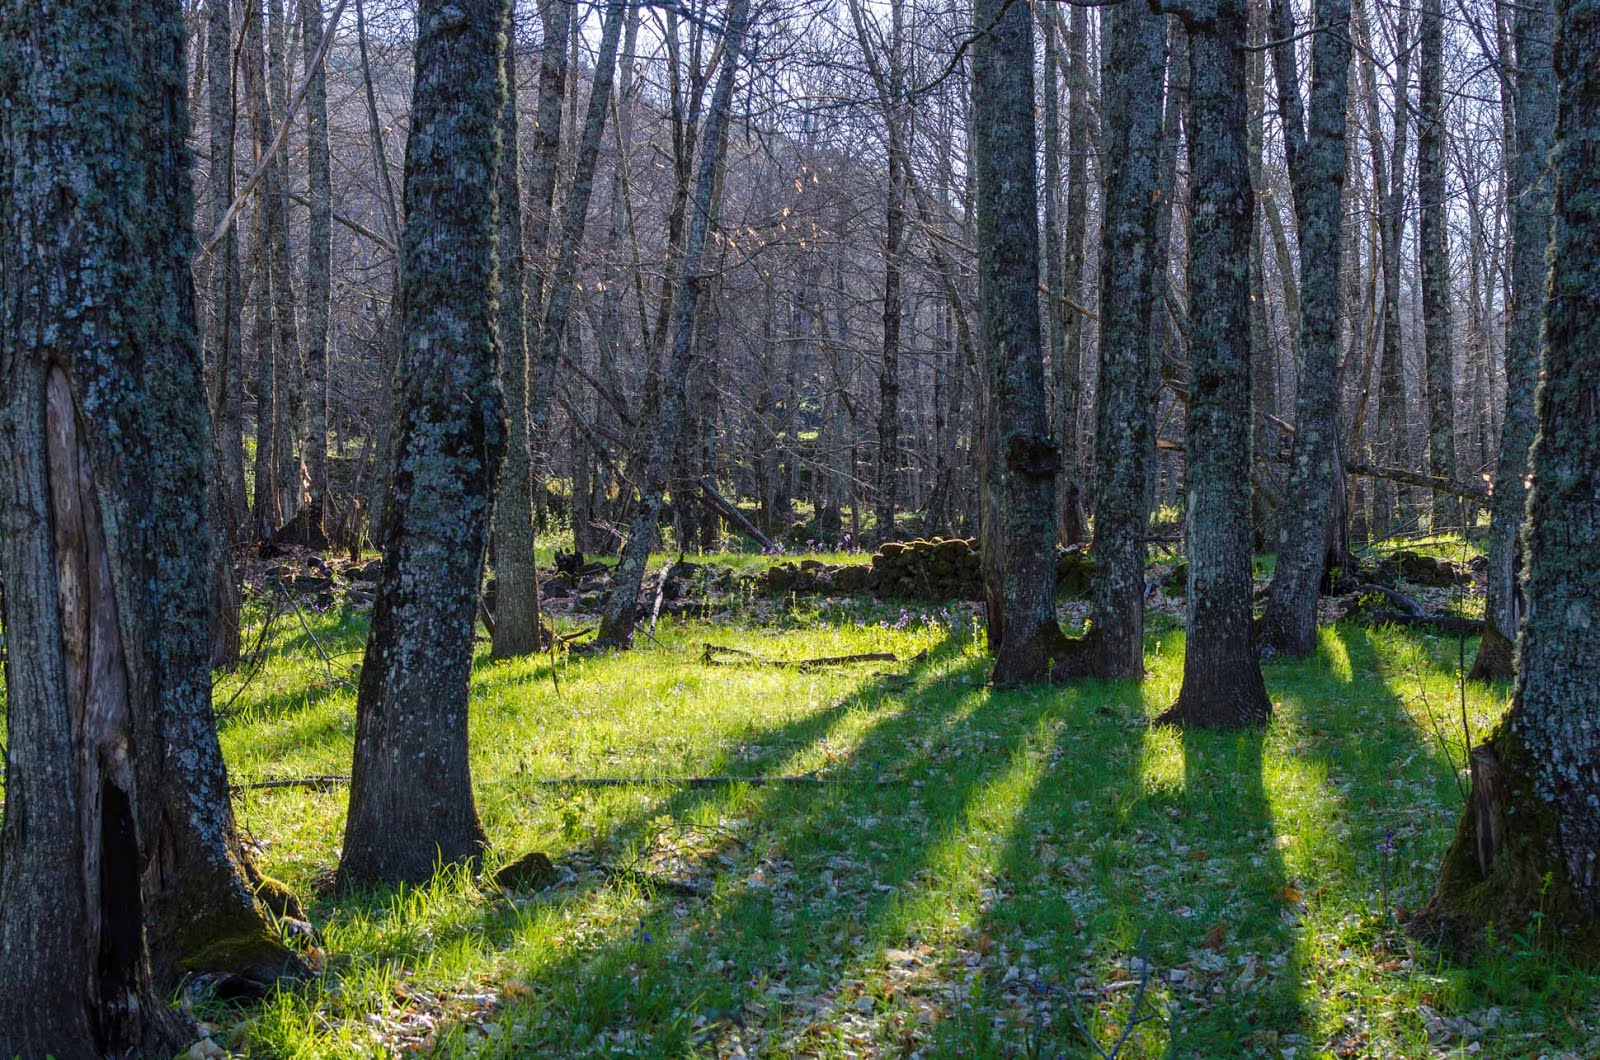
{"points": [[1033, 455]]}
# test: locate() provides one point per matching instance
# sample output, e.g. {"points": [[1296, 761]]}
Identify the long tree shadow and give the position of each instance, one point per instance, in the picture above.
{"points": [[816, 876]]}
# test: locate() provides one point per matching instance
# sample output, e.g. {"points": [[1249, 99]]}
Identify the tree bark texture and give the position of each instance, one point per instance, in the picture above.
{"points": [[118, 847], [1531, 204], [411, 803], [1435, 257], [1317, 159], [1222, 684], [319, 262], [1133, 279], [1527, 854]]}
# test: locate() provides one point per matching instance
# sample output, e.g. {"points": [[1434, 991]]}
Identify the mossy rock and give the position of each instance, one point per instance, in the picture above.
{"points": [[530, 872]]}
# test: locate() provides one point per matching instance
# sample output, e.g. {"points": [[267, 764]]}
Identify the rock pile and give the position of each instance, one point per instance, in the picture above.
{"points": [[931, 570]]}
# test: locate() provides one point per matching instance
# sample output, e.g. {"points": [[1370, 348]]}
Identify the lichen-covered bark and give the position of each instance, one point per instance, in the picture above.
{"points": [[288, 363], [319, 262], [118, 832], [1530, 842], [1316, 155], [1530, 205], [1222, 685], [1133, 276], [411, 804], [621, 609], [516, 597], [1022, 458], [1435, 260], [1069, 367]]}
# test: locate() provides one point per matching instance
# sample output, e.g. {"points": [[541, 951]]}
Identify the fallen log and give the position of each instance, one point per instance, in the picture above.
{"points": [[1413, 478], [711, 657], [720, 506], [1467, 627]]}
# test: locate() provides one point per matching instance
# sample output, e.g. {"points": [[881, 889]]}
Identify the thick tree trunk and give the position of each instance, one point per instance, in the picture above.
{"points": [[411, 804], [1069, 369], [267, 513], [1530, 206], [1222, 685], [516, 598], [118, 840], [1021, 459], [1133, 278], [1316, 156], [288, 364], [319, 266], [621, 608], [1435, 257], [1527, 855]]}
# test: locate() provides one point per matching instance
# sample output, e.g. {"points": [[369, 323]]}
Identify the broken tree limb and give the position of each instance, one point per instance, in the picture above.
{"points": [[1395, 597], [1414, 478], [719, 505], [1467, 627], [712, 656]]}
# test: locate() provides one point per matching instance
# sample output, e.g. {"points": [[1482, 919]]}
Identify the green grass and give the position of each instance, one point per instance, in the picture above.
{"points": [[1019, 847]]}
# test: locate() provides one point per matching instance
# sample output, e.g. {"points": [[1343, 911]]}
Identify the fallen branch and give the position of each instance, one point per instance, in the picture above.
{"points": [[710, 657], [800, 779], [322, 783], [1467, 627], [1395, 597], [1413, 478], [718, 504]]}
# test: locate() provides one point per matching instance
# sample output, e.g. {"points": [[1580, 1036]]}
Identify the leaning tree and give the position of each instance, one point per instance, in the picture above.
{"points": [[411, 804], [119, 864], [1526, 856]]}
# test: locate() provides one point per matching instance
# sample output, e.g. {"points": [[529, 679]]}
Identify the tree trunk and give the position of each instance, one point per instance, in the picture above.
{"points": [[557, 289], [1022, 458], [1222, 685], [516, 598], [1317, 159], [1069, 372], [1392, 507], [411, 804], [319, 266], [621, 608], [1530, 194], [1525, 856], [1435, 257], [1133, 279], [267, 514], [118, 838], [227, 401], [288, 365]]}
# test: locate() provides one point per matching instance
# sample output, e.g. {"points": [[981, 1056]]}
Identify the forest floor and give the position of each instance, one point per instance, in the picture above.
{"points": [[966, 873]]}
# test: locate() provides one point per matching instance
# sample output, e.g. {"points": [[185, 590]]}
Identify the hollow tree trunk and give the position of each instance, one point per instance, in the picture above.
{"points": [[118, 836], [1530, 207], [411, 804], [1526, 857], [1222, 685], [1317, 156]]}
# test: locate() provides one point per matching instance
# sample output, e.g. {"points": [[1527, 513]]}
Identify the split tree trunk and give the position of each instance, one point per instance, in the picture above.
{"points": [[119, 866], [411, 804], [1021, 456], [1526, 857]]}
